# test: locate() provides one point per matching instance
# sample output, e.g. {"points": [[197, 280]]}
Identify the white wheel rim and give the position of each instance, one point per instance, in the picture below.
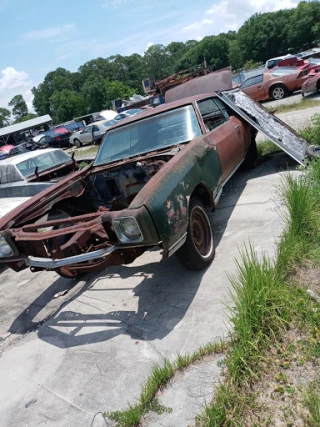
{"points": [[278, 93]]}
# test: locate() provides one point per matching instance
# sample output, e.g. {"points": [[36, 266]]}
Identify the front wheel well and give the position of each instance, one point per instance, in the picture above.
{"points": [[202, 193], [278, 85]]}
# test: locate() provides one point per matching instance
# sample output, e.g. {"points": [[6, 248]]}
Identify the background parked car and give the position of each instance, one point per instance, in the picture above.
{"points": [[312, 84], [276, 83], [127, 113], [54, 138], [5, 150], [273, 62], [92, 133], [44, 165], [25, 147]]}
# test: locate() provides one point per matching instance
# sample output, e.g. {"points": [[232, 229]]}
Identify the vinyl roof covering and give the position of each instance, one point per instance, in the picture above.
{"points": [[28, 124]]}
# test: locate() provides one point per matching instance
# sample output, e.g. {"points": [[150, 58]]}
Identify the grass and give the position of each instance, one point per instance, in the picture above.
{"points": [[85, 151], [158, 378], [266, 303], [312, 403], [301, 105], [266, 148]]}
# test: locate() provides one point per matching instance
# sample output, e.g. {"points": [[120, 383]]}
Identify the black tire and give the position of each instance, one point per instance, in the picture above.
{"points": [[278, 92], [251, 157], [199, 249], [77, 143]]}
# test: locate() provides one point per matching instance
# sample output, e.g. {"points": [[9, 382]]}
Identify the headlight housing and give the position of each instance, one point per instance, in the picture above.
{"points": [[127, 229], [5, 248]]}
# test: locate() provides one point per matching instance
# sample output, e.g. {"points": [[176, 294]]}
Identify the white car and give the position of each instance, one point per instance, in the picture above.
{"points": [[18, 172], [273, 62], [127, 113], [91, 133]]}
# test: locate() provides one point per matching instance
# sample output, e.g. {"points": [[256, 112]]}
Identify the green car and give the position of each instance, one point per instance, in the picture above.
{"points": [[152, 183]]}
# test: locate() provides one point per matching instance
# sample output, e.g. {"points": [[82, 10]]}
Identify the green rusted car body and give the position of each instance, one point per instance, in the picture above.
{"points": [[151, 184]]}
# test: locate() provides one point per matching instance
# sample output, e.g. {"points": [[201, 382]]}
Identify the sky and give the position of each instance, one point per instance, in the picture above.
{"points": [[39, 36]]}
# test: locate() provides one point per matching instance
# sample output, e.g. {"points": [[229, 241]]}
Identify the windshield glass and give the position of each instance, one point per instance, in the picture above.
{"points": [[43, 162], [109, 123], [154, 133]]}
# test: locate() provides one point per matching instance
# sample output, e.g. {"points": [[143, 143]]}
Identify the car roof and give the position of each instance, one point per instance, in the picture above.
{"points": [[26, 156], [161, 109]]}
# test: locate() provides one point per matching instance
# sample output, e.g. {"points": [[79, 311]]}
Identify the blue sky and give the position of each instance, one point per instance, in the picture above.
{"points": [[40, 35]]}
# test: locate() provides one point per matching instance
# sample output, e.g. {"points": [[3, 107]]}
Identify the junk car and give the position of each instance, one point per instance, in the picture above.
{"points": [[154, 179]]}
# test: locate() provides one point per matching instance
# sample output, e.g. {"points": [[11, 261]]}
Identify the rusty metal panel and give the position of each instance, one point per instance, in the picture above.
{"points": [[219, 80], [268, 124]]}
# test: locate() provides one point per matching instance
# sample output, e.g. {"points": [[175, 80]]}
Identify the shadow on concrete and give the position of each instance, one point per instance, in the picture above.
{"points": [[165, 292]]}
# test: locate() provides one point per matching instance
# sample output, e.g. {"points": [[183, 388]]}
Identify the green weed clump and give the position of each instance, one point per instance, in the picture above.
{"points": [[312, 133]]}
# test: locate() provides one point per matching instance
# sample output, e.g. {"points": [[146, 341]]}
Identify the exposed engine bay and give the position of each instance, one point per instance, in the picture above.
{"points": [[114, 189]]}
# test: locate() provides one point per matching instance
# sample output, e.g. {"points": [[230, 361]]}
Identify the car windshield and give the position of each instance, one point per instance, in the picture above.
{"points": [[109, 123], [43, 161], [133, 111], [163, 130]]}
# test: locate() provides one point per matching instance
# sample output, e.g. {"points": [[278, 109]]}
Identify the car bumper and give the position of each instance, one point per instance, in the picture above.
{"points": [[58, 263]]}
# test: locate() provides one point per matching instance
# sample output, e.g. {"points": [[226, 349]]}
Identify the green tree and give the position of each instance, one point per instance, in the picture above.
{"points": [[158, 62], [4, 117], [235, 55], [94, 94], [55, 81], [265, 35], [19, 107], [304, 26], [117, 90], [214, 49], [28, 116], [66, 104]]}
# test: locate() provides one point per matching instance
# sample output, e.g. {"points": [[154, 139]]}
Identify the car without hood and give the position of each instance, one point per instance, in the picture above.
{"points": [[153, 179]]}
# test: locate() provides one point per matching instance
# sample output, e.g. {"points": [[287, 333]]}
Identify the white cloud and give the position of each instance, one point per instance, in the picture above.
{"points": [[231, 14], [149, 44], [114, 3], [14, 82], [197, 25], [49, 33]]}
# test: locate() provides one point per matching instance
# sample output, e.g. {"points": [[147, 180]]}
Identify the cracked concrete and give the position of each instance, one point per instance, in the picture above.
{"points": [[94, 353], [186, 394]]}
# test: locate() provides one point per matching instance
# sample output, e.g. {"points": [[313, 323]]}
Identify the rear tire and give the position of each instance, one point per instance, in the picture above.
{"points": [[278, 92], [199, 249]]}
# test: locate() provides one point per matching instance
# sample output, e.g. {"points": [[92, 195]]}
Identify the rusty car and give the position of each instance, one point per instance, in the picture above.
{"points": [[312, 84], [154, 179], [276, 83]]}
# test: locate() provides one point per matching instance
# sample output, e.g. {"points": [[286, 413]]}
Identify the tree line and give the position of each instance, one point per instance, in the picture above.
{"points": [[64, 94]]}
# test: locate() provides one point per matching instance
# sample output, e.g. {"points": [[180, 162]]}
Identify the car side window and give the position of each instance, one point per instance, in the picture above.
{"points": [[212, 114], [87, 129], [95, 128], [252, 81]]}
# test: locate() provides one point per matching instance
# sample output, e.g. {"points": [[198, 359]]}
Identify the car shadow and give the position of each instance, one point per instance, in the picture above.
{"points": [[164, 294]]}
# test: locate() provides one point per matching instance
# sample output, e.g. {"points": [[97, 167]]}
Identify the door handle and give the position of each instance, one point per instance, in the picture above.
{"points": [[259, 87]]}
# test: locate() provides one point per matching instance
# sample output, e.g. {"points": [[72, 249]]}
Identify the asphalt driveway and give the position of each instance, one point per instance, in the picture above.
{"points": [[95, 351]]}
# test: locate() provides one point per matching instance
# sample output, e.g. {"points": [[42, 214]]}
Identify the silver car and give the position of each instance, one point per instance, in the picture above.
{"points": [[91, 133]]}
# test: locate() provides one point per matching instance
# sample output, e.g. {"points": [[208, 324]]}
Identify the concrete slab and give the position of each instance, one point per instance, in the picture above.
{"points": [[94, 353], [187, 394]]}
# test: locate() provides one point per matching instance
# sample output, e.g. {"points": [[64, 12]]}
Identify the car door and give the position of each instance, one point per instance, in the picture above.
{"points": [[86, 135], [96, 132], [254, 87], [225, 132]]}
